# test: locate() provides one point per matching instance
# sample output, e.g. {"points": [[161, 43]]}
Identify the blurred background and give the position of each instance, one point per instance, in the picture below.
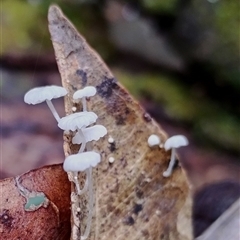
{"points": [[179, 58]]}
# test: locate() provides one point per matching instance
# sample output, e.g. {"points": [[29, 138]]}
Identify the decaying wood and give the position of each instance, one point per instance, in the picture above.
{"points": [[132, 199], [46, 222]]}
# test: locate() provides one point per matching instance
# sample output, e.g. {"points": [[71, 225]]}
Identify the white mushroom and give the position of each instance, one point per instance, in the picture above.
{"points": [[173, 143], [153, 140], [90, 134], [111, 140], [77, 121], [83, 93], [81, 162], [111, 160], [47, 93]]}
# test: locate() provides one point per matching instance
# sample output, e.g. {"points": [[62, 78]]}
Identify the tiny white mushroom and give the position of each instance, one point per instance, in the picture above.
{"points": [[110, 140], [153, 140], [88, 91], [74, 109], [89, 134], [173, 143], [47, 93], [81, 162], [158, 212], [77, 121], [111, 159]]}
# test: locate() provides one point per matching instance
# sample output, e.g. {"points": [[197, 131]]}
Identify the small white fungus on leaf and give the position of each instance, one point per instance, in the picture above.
{"points": [[90, 134], [41, 94], [153, 140], [47, 93], [81, 161], [88, 91], [77, 121], [175, 142]]}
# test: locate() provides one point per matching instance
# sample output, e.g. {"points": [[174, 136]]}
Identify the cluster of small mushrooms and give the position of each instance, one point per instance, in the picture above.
{"points": [[171, 143], [79, 123]]}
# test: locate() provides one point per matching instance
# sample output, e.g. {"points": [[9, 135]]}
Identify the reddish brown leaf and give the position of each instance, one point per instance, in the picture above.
{"points": [[47, 223]]}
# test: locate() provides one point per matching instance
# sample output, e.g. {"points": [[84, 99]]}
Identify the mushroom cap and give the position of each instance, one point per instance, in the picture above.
{"points": [[153, 140], [88, 91], [77, 120], [91, 133], [41, 94], [81, 161], [175, 142]]}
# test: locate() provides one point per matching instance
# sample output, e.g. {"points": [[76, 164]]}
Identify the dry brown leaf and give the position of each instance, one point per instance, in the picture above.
{"points": [[19, 220], [132, 198]]}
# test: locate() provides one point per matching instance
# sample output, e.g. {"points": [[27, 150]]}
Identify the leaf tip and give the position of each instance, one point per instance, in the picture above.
{"points": [[54, 12]]}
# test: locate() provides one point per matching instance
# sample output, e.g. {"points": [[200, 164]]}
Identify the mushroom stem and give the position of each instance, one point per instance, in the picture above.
{"points": [[79, 190], [84, 104], [169, 170], [75, 177], [75, 213], [53, 110], [89, 146], [83, 145], [90, 204]]}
